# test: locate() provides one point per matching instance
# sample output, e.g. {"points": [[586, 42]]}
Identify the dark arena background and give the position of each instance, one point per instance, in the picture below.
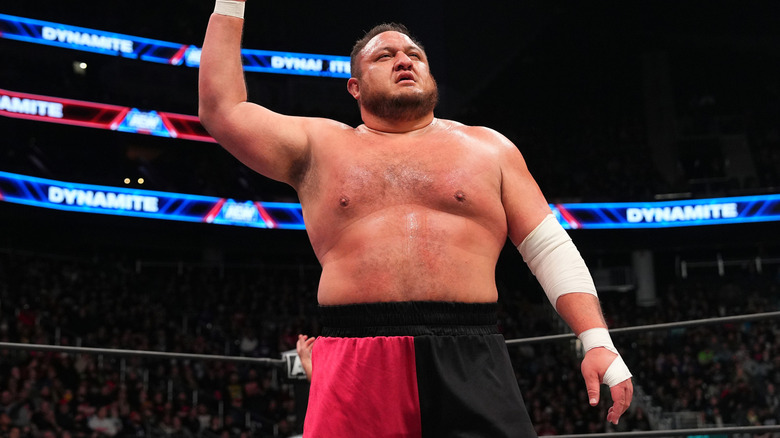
{"points": [[653, 128]]}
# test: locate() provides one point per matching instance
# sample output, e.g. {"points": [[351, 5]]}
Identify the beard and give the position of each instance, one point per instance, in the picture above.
{"points": [[400, 107]]}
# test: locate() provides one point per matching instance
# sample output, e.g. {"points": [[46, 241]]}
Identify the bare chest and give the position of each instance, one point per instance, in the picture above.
{"points": [[439, 175]]}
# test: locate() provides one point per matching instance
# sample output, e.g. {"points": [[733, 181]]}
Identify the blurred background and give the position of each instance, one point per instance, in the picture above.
{"points": [[609, 101]]}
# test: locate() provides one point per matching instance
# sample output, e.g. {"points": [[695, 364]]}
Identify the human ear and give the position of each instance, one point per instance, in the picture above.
{"points": [[353, 86]]}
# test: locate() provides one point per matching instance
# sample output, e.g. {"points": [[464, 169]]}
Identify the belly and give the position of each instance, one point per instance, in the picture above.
{"points": [[411, 253]]}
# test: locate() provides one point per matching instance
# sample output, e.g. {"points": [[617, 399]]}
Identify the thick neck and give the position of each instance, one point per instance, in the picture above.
{"points": [[379, 124]]}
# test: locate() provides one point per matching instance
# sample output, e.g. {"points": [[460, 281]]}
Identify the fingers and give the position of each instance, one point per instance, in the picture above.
{"points": [[601, 365], [304, 343], [622, 394]]}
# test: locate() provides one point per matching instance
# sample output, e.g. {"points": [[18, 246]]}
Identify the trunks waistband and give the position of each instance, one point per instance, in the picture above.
{"points": [[409, 318]]}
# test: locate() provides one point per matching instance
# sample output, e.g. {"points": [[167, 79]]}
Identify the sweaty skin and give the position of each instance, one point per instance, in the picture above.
{"points": [[391, 219], [404, 207]]}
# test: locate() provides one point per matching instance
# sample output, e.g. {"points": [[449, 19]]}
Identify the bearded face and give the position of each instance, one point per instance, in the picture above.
{"points": [[392, 80], [400, 105]]}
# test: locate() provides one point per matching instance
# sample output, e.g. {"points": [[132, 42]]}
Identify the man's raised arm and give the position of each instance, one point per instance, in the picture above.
{"points": [[270, 143]]}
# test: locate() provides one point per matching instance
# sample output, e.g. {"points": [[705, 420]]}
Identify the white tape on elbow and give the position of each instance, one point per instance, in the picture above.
{"points": [[231, 8], [555, 261], [599, 337]]}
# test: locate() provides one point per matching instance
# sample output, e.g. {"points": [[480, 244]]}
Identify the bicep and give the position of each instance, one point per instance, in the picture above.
{"points": [[524, 203], [270, 143]]}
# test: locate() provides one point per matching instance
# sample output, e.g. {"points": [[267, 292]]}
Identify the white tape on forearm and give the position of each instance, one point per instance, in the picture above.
{"points": [[230, 8], [555, 261], [599, 337]]}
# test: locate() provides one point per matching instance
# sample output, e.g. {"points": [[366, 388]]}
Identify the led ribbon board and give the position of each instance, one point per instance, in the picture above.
{"points": [[100, 115], [86, 198], [694, 212], [145, 49]]}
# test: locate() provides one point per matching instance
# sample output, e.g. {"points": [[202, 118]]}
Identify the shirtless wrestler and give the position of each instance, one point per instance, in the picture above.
{"points": [[407, 214]]}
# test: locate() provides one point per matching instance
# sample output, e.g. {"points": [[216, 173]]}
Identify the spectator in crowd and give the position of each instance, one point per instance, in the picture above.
{"points": [[104, 421]]}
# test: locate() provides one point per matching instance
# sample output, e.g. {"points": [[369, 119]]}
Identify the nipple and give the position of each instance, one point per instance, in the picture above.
{"points": [[460, 196], [344, 201]]}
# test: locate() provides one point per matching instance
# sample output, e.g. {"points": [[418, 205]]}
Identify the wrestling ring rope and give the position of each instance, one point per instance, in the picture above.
{"points": [[739, 430]]}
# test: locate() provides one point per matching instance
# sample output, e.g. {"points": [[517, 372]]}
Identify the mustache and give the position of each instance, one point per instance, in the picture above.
{"points": [[403, 107]]}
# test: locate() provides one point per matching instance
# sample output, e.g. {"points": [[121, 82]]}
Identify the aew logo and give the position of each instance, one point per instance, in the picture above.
{"points": [[294, 367], [144, 121], [240, 212]]}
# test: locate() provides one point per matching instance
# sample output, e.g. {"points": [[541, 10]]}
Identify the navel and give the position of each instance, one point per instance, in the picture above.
{"points": [[460, 196], [344, 201]]}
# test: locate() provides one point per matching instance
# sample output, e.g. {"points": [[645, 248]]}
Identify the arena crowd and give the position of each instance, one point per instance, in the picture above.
{"points": [[725, 374]]}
